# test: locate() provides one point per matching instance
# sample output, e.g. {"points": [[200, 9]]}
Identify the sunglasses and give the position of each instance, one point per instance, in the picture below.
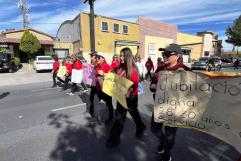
{"points": [[168, 54]]}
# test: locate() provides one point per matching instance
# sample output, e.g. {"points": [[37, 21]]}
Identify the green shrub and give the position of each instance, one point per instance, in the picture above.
{"points": [[50, 53], [16, 61]]}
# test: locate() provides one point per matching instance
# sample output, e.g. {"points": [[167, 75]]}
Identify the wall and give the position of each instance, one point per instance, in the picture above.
{"points": [[105, 41], [155, 28], [192, 42], [156, 43], [63, 45]]}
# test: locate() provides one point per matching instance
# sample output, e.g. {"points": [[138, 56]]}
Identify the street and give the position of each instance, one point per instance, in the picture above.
{"points": [[39, 123]]}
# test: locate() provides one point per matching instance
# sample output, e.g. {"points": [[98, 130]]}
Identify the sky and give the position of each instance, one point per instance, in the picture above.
{"points": [[191, 16]]}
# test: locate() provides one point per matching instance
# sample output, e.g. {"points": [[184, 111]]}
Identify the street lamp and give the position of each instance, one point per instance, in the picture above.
{"points": [[92, 24]]}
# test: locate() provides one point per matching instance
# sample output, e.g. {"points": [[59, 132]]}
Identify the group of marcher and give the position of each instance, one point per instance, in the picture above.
{"points": [[132, 68], [71, 64]]}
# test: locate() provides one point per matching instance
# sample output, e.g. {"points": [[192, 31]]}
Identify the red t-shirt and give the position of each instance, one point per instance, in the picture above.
{"points": [[68, 67], [149, 65], [115, 64], [56, 66], [78, 65], [105, 68]]}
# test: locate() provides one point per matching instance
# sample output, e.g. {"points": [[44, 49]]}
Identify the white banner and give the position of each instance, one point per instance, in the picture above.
{"points": [[211, 105], [76, 76]]}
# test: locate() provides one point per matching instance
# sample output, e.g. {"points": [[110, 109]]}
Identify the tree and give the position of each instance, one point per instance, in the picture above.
{"points": [[29, 44], [234, 33]]}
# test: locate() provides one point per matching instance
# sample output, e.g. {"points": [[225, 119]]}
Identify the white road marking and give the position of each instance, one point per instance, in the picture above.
{"points": [[36, 90], [68, 107]]}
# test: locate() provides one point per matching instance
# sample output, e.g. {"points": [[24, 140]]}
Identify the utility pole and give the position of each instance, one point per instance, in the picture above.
{"points": [[24, 8], [92, 24]]}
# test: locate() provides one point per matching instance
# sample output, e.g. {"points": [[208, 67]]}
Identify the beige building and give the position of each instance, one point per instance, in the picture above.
{"points": [[192, 46], [211, 45], [111, 35], [10, 39]]}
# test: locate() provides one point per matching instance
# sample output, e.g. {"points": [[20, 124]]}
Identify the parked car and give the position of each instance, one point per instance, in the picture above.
{"points": [[43, 63], [8, 63], [200, 64]]}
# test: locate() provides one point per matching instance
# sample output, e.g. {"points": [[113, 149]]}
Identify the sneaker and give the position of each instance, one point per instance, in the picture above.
{"points": [[53, 86], [86, 90], [70, 93], [102, 101], [160, 150]]}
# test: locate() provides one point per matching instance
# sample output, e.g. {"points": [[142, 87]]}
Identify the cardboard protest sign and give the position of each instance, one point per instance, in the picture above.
{"points": [[89, 74], [76, 76], [194, 100], [62, 71], [116, 87]]}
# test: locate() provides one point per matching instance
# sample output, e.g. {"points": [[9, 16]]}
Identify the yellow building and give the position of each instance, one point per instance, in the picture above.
{"points": [[111, 35], [192, 46], [10, 39]]}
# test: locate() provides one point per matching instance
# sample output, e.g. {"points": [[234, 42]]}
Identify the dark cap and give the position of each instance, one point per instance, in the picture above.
{"points": [[94, 53], [172, 48]]}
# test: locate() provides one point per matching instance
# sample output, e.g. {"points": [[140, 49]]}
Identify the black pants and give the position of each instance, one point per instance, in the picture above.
{"points": [[104, 97], [166, 139], [66, 81], [54, 78], [148, 74], [91, 98], [120, 113]]}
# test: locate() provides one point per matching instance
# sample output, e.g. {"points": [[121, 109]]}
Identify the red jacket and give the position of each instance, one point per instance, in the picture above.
{"points": [[160, 64], [78, 65], [56, 66], [115, 64], [149, 65], [68, 67], [105, 68], [134, 79]]}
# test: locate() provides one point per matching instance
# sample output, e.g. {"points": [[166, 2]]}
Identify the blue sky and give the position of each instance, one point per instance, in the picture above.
{"points": [[191, 16]]}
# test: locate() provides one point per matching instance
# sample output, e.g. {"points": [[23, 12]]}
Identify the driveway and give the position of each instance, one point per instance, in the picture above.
{"points": [[24, 76]]}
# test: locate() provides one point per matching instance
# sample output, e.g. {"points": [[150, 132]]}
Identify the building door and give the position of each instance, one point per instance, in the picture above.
{"points": [[186, 55]]}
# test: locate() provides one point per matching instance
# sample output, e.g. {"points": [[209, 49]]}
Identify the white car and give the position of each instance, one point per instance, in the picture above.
{"points": [[43, 63]]}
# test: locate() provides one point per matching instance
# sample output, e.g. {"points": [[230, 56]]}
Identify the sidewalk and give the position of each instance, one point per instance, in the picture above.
{"points": [[24, 76]]}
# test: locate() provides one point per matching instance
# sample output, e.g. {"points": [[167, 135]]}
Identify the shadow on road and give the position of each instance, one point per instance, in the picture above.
{"points": [[86, 142], [5, 94]]}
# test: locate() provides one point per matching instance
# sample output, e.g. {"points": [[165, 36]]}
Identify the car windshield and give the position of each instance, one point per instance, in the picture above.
{"points": [[2, 56], [45, 58]]}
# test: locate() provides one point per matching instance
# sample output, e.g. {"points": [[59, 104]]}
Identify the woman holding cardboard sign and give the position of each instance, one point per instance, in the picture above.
{"points": [[172, 62], [128, 70]]}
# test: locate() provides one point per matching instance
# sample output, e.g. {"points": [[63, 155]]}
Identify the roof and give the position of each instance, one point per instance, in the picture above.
{"points": [[21, 30], [17, 41]]}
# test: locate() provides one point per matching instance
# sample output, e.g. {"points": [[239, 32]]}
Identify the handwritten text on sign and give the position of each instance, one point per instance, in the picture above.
{"points": [[212, 105]]}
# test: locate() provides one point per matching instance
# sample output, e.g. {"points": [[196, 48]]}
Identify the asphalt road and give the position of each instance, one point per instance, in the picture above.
{"points": [[39, 123]]}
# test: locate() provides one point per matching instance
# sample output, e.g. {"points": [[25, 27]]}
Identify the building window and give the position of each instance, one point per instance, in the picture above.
{"points": [[125, 29], [105, 26], [116, 28], [206, 53], [152, 49]]}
